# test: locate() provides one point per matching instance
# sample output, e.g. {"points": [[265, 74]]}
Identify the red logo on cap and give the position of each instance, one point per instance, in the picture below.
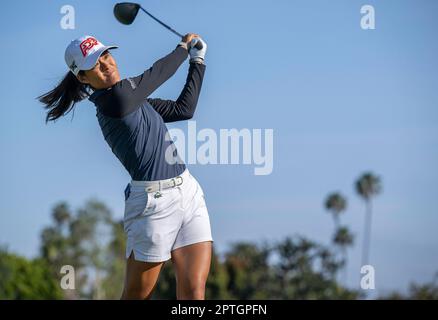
{"points": [[87, 44]]}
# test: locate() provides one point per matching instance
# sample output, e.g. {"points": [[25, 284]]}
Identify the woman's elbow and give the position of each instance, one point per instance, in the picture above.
{"points": [[187, 111], [187, 115]]}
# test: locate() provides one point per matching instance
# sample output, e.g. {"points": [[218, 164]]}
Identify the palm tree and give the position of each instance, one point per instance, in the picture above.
{"points": [[343, 239], [367, 186], [336, 204]]}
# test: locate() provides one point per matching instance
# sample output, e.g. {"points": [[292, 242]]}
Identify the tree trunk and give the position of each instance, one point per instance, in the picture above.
{"points": [[367, 234], [345, 270], [336, 219]]}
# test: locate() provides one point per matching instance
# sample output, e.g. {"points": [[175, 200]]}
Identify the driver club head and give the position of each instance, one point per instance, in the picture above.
{"points": [[125, 12]]}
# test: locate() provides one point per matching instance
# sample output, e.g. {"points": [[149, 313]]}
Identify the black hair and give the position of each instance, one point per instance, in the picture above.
{"points": [[62, 99]]}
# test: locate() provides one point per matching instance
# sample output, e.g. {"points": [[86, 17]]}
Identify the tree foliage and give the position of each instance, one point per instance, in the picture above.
{"points": [[21, 278]]}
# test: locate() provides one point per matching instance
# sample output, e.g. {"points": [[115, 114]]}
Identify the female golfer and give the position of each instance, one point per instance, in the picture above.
{"points": [[165, 212]]}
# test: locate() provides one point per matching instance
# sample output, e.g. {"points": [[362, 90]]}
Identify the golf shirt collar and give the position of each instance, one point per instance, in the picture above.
{"points": [[97, 93]]}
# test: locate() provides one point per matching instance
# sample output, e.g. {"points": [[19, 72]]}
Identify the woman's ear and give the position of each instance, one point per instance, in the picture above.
{"points": [[82, 78]]}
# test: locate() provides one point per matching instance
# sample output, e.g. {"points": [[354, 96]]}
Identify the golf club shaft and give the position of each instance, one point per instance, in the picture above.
{"points": [[162, 23], [198, 45]]}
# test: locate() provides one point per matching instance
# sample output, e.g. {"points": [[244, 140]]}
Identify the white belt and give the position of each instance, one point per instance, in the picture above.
{"points": [[154, 186]]}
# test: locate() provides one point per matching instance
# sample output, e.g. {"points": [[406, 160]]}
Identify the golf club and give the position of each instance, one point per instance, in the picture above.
{"points": [[126, 12]]}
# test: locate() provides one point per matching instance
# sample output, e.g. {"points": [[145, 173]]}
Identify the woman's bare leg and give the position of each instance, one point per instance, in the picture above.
{"points": [[141, 278], [192, 265]]}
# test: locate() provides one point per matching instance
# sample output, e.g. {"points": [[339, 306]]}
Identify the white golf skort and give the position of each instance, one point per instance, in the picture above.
{"points": [[161, 216]]}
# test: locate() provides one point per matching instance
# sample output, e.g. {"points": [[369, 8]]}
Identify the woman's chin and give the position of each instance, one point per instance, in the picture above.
{"points": [[112, 79], [109, 82]]}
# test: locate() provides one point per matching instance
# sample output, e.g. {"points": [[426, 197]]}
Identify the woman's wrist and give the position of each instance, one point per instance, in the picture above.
{"points": [[198, 60], [184, 45]]}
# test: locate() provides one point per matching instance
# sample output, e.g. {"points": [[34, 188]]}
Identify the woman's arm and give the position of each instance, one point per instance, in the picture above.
{"points": [[129, 94], [160, 71], [184, 107]]}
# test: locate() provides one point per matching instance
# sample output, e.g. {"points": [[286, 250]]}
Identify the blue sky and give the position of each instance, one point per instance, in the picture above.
{"points": [[341, 101]]}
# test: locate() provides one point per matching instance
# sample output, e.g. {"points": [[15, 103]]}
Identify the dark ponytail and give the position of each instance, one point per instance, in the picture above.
{"points": [[64, 96]]}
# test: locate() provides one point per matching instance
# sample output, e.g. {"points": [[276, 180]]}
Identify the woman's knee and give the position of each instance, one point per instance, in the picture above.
{"points": [[192, 290], [141, 278], [136, 293]]}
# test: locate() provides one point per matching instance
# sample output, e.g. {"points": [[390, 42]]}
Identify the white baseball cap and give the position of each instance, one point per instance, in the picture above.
{"points": [[83, 53]]}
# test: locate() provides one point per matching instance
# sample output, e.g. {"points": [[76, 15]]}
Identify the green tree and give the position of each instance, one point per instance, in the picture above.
{"points": [[55, 245], [249, 273], [82, 240], [343, 239], [306, 270], [217, 280], [426, 291], [21, 278], [115, 264], [335, 204], [367, 186]]}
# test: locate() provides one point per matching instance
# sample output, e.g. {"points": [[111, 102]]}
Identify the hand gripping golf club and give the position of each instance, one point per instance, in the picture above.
{"points": [[125, 13]]}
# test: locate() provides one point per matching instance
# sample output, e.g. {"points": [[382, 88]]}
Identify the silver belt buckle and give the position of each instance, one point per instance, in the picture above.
{"points": [[181, 179], [175, 183]]}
